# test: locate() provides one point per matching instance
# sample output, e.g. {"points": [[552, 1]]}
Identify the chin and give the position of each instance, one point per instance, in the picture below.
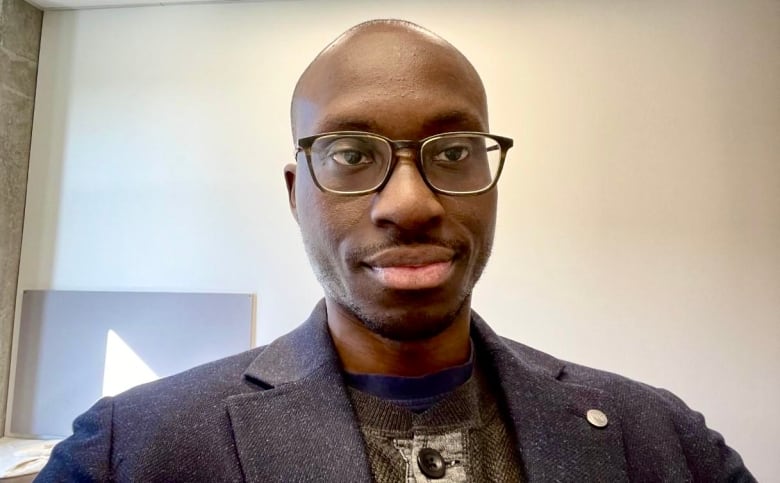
{"points": [[409, 321]]}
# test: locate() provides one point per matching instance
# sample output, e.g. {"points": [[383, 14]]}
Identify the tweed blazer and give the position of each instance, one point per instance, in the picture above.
{"points": [[282, 413]]}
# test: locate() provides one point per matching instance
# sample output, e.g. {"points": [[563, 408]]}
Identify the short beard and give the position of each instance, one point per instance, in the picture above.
{"points": [[421, 326]]}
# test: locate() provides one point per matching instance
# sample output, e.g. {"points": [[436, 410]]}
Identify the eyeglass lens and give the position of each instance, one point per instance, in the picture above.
{"points": [[457, 163]]}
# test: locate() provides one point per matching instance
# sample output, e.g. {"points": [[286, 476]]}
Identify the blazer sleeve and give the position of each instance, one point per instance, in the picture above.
{"points": [[86, 455]]}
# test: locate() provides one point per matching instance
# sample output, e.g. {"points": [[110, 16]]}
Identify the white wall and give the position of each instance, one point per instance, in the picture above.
{"points": [[639, 216]]}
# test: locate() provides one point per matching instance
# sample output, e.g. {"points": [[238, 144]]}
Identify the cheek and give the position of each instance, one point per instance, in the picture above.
{"points": [[477, 215], [327, 219]]}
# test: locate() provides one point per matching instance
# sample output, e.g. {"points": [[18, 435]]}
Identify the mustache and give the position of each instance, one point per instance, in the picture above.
{"points": [[358, 254]]}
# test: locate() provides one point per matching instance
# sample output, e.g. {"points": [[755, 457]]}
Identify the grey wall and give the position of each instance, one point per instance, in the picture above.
{"points": [[109, 342], [20, 34]]}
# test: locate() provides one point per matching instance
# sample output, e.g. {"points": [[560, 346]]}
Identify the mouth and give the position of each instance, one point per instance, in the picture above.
{"points": [[415, 267]]}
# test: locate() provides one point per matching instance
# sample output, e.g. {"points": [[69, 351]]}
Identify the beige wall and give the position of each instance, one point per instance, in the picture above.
{"points": [[20, 33], [639, 210]]}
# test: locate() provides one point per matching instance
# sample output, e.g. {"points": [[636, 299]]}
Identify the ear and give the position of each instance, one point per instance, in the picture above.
{"points": [[289, 179]]}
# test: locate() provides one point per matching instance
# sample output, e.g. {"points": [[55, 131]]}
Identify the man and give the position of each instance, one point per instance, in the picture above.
{"points": [[393, 377]]}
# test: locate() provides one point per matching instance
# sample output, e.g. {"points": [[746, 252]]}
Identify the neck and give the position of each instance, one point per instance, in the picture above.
{"points": [[364, 351]]}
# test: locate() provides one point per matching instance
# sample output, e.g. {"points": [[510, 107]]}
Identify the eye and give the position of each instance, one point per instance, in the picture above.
{"points": [[452, 154], [351, 157], [350, 152]]}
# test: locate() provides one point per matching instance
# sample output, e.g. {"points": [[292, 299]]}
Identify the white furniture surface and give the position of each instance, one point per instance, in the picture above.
{"points": [[22, 459]]}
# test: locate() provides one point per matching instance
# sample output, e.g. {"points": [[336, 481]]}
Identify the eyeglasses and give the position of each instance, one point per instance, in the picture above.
{"points": [[358, 163]]}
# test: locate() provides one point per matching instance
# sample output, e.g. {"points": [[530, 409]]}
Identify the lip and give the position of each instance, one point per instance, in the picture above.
{"points": [[411, 267], [410, 256]]}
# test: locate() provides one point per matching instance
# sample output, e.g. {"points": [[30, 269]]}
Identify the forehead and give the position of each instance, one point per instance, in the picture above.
{"points": [[399, 84]]}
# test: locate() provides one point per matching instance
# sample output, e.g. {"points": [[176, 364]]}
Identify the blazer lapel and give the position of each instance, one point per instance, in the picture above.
{"points": [[555, 440], [302, 427]]}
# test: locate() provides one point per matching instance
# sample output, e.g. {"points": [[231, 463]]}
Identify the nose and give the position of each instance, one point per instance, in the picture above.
{"points": [[405, 201]]}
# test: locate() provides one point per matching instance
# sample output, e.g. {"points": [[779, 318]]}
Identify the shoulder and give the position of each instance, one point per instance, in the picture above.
{"points": [[633, 400], [214, 380], [158, 431], [174, 404], [656, 425], [621, 389]]}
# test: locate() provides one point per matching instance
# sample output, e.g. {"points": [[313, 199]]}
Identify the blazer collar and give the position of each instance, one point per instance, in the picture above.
{"points": [[298, 354]]}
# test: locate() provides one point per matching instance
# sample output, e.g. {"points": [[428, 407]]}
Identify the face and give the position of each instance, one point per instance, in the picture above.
{"points": [[402, 261]]}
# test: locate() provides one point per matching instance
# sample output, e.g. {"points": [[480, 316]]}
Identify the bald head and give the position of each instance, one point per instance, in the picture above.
{"points": [[387, 59]]}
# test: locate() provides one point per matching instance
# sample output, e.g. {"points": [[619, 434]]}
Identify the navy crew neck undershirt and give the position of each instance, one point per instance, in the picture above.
{"points": [[416, 394]]}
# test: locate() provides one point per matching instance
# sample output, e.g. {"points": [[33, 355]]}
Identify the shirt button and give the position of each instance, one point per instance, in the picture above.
{"points": [[596, 418], [431, 463]]}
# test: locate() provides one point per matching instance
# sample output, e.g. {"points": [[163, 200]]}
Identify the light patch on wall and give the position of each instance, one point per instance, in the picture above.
{"points": [[123, 368]]}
